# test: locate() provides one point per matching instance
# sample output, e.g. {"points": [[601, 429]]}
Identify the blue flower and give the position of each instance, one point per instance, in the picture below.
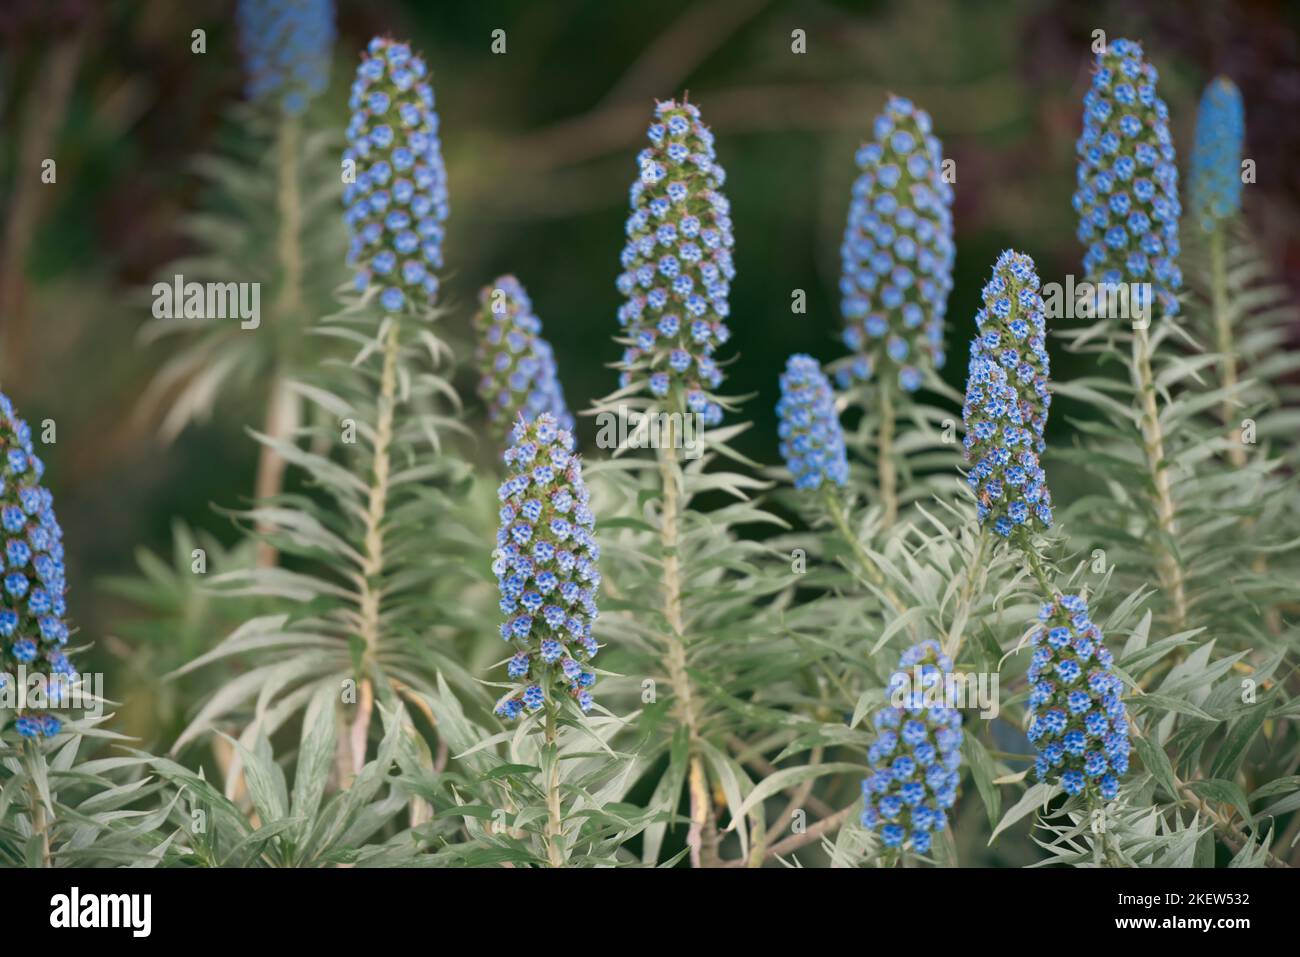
{"points": [[914, 771], [897, 253], [1007, 399], [397, 205], [1078, 727], [677, 263], [554, 640], [516, 365], [286, 47], [1215, 184], [812, 441], [32, 604], [1126, 150]]}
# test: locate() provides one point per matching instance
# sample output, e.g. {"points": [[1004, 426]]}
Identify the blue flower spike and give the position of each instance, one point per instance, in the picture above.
{"points": [[897, 254], [546, 567], [915, 759], [1215, 185], [811, 438], [516, 365], [1007, 399], [1127, 190], [1077, 722], [677, 264], [397, 206], [286, 48], [33, 609]]}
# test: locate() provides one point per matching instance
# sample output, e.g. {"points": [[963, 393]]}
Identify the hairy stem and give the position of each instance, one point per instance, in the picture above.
{"points": [[1223, 329], [372, 565], [702, 836], [887, 474], [1153, 445], [281, 408], [1036, 566], [40, 822], [554, 822], [840, 517]]}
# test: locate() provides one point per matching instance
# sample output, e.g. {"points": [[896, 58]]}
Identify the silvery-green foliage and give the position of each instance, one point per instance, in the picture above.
{"points": [[81, 801], [269, 215], [300, 822]]}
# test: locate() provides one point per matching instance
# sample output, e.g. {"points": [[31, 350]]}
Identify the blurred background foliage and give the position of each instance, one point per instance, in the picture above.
{"points": [[539, 144]]}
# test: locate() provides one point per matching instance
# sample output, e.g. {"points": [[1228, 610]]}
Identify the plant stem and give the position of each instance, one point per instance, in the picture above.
{"points": [[826, 825], [554, 822], [1035, 566], [1223, 328], [835, 507], [838, 515], [702, 836], [976, 574], [281, 409], [1153, 445], [40, 823], [372, 565], [887, 475]]}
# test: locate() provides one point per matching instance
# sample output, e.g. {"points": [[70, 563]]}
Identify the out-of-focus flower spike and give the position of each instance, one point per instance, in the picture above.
{"points": [[1215, 185], [33, 629], [396, 208], [546, 566], [812, 440], [897, 252], [677, 265], [516, 365], [1127, 190], [1007, 399], [286, 47]]}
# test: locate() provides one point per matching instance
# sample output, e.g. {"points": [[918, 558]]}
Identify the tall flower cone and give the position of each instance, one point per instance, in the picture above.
{"points": [[1215, 182], [1077, 721], [812, 441], [516, 365], [33, 627], [398, 204], [916, 756], [286, 48], [897, 252], [1127, 201], [677, 265], [546, 567], [1007, 398]]}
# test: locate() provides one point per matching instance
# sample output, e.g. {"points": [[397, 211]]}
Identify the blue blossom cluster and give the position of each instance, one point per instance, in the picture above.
{"points": [[916, 755], [1007, 398], [1077, 720], [398, 204], [33, 632], [897, 252], [677, 265], [545, 563], [812, 441], [286, 48], [1216, 158], [1127, 191], [516, 364]]}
